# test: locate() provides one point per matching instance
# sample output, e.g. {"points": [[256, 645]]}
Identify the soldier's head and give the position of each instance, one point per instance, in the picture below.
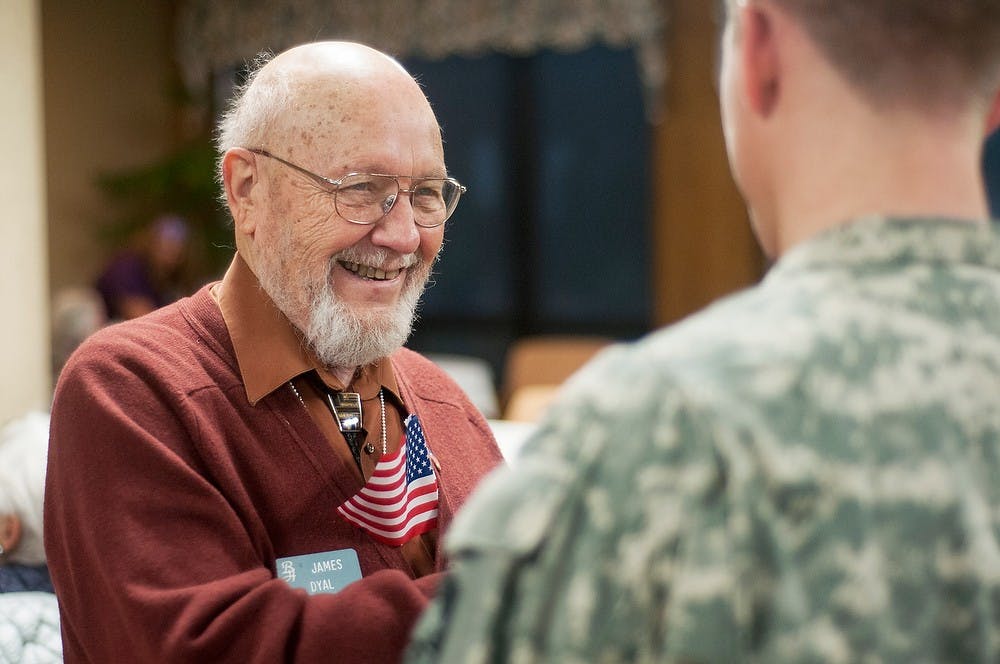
{"points": [[801, 74], [903, 52]]}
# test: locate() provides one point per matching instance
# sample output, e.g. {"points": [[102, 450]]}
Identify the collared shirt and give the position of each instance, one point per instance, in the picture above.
{"points": [[273, 356]]}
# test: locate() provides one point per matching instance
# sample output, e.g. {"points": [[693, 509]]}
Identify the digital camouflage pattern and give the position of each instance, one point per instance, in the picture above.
{"points": [[805, 472]]}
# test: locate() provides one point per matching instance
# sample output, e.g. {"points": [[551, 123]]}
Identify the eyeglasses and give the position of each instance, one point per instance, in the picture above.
{"points": [[364, 198]]}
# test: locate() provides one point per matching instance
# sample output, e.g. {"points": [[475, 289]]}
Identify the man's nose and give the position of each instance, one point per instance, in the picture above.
{"points": [[397, 230]]}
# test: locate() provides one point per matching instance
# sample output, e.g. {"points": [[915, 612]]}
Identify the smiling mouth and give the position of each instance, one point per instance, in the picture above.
{"points": [[370, 272]]}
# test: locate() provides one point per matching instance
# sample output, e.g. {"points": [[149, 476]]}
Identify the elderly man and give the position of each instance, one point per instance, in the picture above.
{"points": [[259, 473], [23, 447], [806, 472], [29, 613]]}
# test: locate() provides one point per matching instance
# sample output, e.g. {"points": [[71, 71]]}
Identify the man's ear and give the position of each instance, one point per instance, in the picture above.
{"points": [[761, 62], [239, 177], [10, 532]]}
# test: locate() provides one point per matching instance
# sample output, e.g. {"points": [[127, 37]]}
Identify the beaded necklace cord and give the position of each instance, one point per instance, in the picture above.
{"points": [[381, 403]]}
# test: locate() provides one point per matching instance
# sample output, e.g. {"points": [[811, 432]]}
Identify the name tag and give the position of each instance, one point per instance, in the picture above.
{"points": [[318, 573]]}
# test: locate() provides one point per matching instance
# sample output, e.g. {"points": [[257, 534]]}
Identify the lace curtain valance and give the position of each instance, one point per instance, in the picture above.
{"points": [[214, 36]]}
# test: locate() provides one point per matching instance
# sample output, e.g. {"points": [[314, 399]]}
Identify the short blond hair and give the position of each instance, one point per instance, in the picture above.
{"points": [[928, 52]]}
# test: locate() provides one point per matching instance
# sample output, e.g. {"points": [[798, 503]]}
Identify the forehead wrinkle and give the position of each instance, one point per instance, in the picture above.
{"points": [[342, 100], [352, 111]]}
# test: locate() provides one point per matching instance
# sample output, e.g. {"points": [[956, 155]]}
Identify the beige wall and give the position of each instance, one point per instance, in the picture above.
{"points": [[109, 106], [24, 332]]}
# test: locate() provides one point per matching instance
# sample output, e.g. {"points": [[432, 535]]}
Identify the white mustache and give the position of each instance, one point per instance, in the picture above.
{"points": [[380, 259]]}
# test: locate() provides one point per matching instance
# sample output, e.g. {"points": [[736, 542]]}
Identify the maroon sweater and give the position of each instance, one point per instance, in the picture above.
{"points": [[169, 497]]}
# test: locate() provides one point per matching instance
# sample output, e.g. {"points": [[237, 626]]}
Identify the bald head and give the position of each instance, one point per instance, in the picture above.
{"points": [[334, 58], [306, 120], [317, 93]]}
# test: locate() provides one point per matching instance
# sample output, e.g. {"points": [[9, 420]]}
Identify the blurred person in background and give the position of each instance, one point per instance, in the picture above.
{"points": [[29, 612], [76, 314], [261, 472], [807, 471], [145, 276], [23, 450]]}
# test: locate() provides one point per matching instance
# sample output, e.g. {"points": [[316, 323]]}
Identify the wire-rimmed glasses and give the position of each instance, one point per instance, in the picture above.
{"points": [[364, 198]]}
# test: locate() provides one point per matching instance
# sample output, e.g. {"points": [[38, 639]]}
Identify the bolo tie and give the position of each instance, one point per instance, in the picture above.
{"points": [[346, 409]]}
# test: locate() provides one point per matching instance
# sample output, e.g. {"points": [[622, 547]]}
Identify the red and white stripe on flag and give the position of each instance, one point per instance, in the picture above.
{"points": [[400, 499]]}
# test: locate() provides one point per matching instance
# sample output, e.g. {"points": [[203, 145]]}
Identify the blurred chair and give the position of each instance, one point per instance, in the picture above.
{"points": [[511, 436], [529, 402], [475, 376], [536, 367]]}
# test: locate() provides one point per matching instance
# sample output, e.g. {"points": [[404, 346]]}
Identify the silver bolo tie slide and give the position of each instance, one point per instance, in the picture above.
{"points": [[346, 407]]}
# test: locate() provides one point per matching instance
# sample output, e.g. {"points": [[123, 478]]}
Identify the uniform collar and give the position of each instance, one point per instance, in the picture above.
{"points": [[270, 350], [867, 242]]}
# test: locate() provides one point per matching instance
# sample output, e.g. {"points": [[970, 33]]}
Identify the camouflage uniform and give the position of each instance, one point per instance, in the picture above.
{"points": [[805, 472]]}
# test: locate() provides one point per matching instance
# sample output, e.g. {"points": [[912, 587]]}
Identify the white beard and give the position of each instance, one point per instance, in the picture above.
{"points": [[342, 336]]}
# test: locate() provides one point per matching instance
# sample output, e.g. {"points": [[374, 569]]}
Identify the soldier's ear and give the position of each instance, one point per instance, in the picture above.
{"points": [[760, 52], [10, 532], [993, 119]]}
